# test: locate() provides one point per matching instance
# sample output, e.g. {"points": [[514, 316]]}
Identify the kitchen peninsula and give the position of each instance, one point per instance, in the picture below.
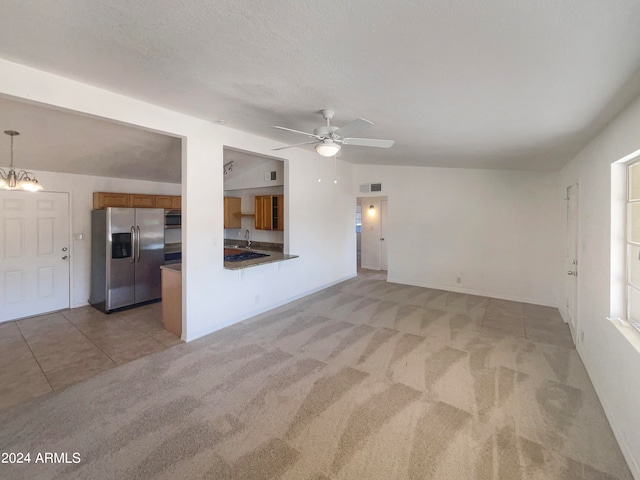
{"points": [[238, 254], [259, 253]]}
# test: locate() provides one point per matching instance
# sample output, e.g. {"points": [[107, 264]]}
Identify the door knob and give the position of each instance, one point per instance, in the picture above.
{"points": [[571, 273], [65, 257], [64, 249]]}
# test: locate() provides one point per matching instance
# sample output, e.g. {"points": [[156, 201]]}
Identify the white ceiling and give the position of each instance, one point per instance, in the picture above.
{"points": [[462, 83], [61, 141]]}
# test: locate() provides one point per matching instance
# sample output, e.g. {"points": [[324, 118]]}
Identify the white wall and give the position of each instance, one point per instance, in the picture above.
{"points": [[318, 215], [253, 177], [612, 361], [497, 230], [80, 189]]}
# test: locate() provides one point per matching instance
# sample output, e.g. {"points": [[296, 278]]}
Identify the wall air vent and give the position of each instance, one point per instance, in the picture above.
{"points": [[370, 187]]}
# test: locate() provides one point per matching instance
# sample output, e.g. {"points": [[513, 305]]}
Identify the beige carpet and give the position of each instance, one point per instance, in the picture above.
{"points": [[365, 380]]}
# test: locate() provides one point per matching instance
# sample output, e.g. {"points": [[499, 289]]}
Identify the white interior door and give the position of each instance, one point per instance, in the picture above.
{"points": [[34, 253], [571, 262], [383, 241]]}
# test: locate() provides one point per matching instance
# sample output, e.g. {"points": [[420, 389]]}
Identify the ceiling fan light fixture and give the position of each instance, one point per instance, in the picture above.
{"points": [[328, 148]]}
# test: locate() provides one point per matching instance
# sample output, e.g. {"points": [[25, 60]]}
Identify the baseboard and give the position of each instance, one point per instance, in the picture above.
{"points": [[266, 308], [468, 291], [628, 454]]}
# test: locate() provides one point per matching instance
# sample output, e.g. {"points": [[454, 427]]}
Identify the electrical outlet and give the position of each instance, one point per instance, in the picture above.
{"points": [[458, 279], [257, 299]]}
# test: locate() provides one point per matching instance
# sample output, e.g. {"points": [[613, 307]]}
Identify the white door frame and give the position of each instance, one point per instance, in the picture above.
{"points": [[571, 260], [66, 241], [384, 220], [370, 232]]}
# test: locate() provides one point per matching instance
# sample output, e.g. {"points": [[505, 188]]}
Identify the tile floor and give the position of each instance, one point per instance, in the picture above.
{"points": [[50, 352]]}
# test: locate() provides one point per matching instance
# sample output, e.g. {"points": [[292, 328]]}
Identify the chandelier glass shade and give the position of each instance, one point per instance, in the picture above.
{"points": [[13, 179]]}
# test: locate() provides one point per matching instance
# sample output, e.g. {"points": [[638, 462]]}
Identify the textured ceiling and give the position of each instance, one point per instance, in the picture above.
{"points": [[60, 141], [489, 84]]}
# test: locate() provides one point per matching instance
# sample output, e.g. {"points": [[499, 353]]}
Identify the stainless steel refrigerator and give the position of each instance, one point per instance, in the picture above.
{"points": [[127, 250]]}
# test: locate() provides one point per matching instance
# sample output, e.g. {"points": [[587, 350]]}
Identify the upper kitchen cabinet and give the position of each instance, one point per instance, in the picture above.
{"points": [[142, 201], [135, 200], [108, 199], [269, 211], [169, 202], [232, 217]]}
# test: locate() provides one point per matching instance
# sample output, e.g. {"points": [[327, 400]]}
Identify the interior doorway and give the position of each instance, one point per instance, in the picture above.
{"points": [[371, 228], [383, 230], [34, 253]]}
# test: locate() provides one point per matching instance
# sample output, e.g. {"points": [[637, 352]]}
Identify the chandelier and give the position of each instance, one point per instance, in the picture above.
{"points": [[20, 180]]}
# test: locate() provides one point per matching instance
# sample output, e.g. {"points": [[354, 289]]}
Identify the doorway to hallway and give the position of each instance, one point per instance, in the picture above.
{"points": [[371, 232]]}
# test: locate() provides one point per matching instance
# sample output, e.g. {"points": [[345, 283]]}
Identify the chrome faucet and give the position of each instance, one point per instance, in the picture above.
{"points": [[247, 236]]}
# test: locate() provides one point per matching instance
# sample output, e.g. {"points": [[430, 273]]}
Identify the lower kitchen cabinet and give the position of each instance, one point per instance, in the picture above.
{"points": [[269, 212], [232, 218], [172, 298]]}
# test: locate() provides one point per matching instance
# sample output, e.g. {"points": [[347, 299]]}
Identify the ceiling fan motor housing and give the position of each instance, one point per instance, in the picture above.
{"points": [[324, 131]]}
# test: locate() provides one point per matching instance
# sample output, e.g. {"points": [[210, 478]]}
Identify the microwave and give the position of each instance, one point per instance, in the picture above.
{"points": [[172, 218]]}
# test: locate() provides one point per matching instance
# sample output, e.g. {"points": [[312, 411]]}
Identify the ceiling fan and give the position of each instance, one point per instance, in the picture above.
{"points": [[328, 138]]}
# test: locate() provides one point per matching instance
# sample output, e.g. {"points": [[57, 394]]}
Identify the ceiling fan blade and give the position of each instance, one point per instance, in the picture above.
{"points": [[368, 142], [357, 125], [295, 131], [294, 145]]}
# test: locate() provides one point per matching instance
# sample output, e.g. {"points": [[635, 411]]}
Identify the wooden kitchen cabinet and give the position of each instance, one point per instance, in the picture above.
{"points": [[172, 298], [164, 201], [108, 199], [135, 200], [142, 201], [269, 212], [170, 202], [232, 217], [262, 212]]}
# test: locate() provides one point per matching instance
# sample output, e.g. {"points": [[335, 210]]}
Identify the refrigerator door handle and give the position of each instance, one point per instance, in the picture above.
{"points": [[133, 245], [138, 243]]}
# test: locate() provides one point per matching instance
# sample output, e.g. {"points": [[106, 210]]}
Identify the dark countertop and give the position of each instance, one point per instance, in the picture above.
{"points": [[255, 246], [272, 257]]}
